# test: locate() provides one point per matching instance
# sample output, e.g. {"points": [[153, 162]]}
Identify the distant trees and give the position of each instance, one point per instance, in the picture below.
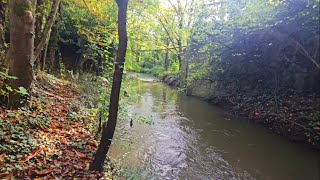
{"points": [[213, 39], [160, 33], [177, 26]]}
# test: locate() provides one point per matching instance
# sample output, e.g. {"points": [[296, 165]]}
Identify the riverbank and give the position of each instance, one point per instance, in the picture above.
{"points": [[295, 116], [54, 137]]}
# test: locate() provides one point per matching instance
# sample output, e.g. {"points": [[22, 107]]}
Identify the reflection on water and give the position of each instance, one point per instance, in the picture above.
{"points": [[191, 139]]}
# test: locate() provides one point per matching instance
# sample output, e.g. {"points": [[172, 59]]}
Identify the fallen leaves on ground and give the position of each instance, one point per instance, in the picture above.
{"points": [[48, 140]]}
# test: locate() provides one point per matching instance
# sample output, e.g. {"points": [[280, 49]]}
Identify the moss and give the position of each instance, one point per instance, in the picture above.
{"points": [[21, 8]]}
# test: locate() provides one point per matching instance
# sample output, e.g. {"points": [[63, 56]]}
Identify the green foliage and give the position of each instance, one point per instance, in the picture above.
{"points": [[155, 34], [94, 96], [39, 122], [15, 141], [228, 38], [144, 119], [73, 116], [89, 29], [23, 91], [5, 89]]}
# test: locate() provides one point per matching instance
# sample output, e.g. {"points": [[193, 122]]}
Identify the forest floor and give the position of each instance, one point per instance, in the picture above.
{"points": [[52, 138]]}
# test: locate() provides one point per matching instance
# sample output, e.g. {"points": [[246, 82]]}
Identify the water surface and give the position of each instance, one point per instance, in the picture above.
{"points": [[191, 139]]}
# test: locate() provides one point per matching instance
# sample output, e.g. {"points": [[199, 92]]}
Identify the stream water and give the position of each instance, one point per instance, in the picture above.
{"points": [[191, 139]]}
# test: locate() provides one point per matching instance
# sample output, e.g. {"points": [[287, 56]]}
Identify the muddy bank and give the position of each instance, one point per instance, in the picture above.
{"points": [[293, 115]]}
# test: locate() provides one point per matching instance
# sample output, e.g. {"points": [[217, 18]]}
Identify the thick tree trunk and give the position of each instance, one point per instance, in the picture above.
{"points": [[47, 30], [3, 8], [21, 49], [109, 128]]}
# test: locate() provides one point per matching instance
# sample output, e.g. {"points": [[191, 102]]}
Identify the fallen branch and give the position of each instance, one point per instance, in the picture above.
{"points": [[53, 95], [32, 155]]}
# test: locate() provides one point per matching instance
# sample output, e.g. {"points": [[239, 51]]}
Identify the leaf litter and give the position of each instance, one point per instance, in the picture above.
{"points": [[44, 141]]}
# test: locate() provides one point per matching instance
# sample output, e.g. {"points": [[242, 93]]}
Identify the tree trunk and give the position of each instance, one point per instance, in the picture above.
{"points": [[166, 58], [38, 26], [109, 128], [56, 66], [3, 8], [53, 49], [21, 49], [47, 30], [43, 67], [100, 59], [39, 20]]}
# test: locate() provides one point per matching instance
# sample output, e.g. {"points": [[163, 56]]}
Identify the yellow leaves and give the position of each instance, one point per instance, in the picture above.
{"points": [[96, 8]]}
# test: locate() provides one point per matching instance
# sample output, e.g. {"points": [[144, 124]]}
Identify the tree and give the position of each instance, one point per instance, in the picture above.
{"points": [[160, 33], [40, 14], [21, 49], [47, 30], [178, 31], [53, 49], [39, 20], [109, 127]]}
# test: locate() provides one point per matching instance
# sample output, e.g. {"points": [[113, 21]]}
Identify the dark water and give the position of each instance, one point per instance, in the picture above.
{"points": [[190, 139]]}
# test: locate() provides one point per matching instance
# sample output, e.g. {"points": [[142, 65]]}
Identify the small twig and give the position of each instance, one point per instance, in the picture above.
{"points": [[307, 129]]}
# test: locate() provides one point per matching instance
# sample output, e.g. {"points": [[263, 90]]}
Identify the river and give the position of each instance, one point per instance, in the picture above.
{"points": [[187, 138]]}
